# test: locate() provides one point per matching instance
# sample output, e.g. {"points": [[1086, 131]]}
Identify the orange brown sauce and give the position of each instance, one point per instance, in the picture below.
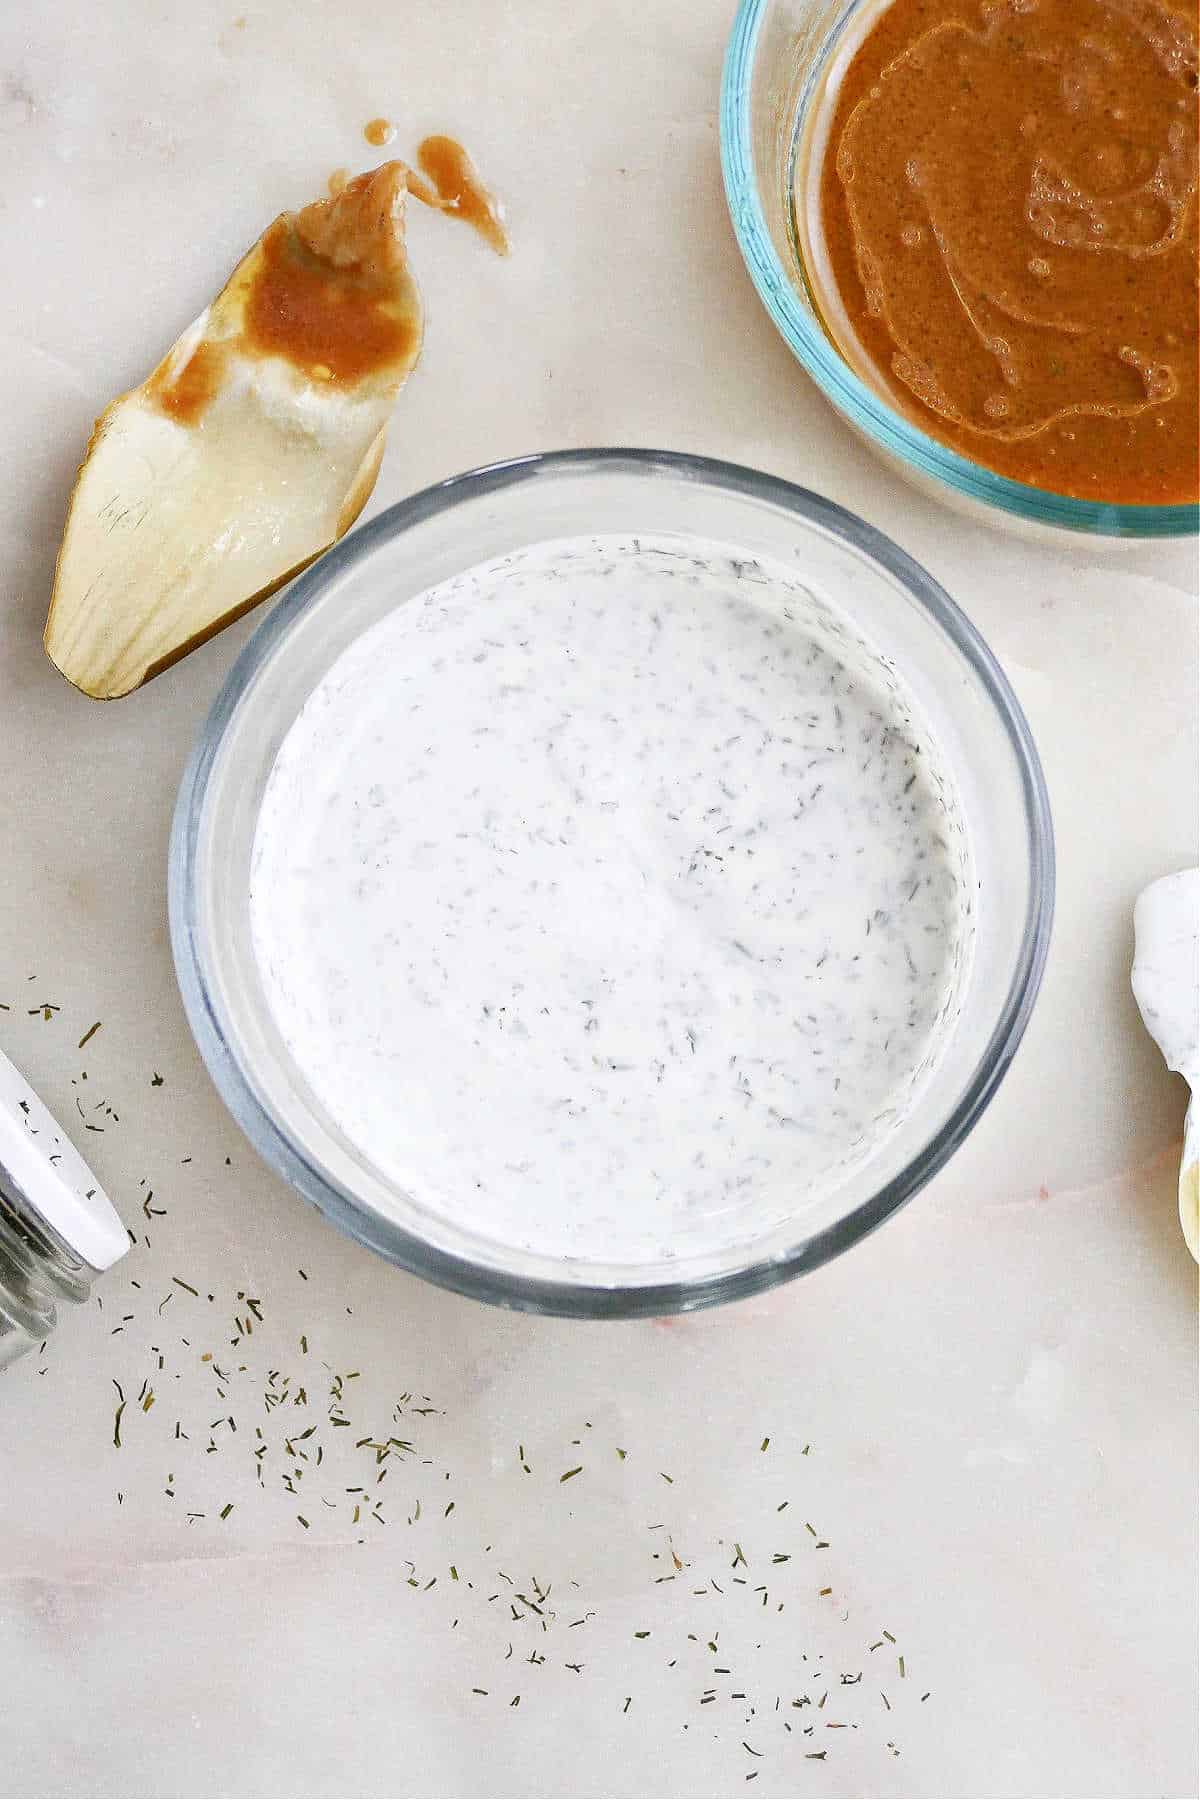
{"points": [[338, 324], [1008, 202], [457, 188], [379, 131], [327, 289], [184, 393]]}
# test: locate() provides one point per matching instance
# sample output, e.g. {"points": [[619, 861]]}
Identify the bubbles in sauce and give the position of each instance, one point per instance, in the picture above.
{"points": [[1007, 209]]}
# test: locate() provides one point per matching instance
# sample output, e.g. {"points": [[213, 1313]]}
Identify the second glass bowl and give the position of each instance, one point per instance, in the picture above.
{"points": [[775, 67]]}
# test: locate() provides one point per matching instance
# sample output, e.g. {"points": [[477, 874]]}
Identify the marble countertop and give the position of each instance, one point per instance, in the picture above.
{"points": [[948, 1482]]}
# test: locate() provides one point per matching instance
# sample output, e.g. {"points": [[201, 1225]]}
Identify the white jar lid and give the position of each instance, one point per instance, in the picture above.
{"points": [[49, 1175]]}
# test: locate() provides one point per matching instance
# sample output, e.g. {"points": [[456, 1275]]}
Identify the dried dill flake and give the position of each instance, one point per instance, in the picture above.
{"points": [[298, 1432]]}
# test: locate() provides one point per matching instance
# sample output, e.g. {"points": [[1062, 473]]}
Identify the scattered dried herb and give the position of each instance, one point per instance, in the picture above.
{"points": [[293, 1459]]}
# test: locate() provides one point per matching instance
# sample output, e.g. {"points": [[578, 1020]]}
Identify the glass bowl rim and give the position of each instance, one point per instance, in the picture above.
{"points": [[860, 405], [535, 1293]]}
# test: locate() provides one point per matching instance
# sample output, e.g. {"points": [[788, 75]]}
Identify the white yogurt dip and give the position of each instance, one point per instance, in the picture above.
{"points": [[612, 897]]}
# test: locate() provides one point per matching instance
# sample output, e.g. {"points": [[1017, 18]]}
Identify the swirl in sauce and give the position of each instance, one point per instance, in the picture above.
{"points": [[1009, 212]]}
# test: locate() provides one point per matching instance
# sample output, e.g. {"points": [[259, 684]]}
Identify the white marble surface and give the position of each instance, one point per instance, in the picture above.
{"points": [[997, 1392]]}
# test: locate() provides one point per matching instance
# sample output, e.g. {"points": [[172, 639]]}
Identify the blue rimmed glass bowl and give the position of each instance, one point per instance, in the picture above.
{"points": [[776, 67]]}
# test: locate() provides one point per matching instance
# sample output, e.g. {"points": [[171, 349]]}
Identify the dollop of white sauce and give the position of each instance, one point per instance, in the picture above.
{"points": [[1166, 986], [611, 897]]}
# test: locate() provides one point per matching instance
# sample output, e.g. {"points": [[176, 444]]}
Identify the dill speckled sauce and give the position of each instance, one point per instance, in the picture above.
{"points": [[612, 897]]}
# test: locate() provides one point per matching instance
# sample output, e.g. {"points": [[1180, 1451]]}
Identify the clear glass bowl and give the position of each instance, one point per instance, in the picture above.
{"points": [[775, 68], [954, 679]]}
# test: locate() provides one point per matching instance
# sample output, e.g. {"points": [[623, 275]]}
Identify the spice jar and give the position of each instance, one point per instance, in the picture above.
{"points": [[58, 1229]]}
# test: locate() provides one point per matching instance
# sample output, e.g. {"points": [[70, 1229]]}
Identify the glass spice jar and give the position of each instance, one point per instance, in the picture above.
{"points": [[58, 1229]]}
